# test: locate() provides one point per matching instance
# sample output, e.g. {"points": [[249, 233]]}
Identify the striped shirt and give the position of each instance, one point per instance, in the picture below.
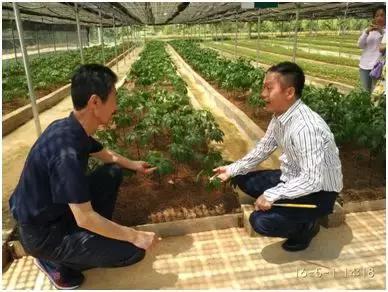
{"points": [[309, 162]]}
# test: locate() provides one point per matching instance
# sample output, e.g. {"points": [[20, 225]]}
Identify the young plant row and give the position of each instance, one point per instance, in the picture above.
{"points": [[352, 117], [340, 74], [278, 49], [229, 74], [157, 121], [49, 71]]}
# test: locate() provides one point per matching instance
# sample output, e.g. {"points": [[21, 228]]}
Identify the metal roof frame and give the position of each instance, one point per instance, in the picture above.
{"points": [[162, 13]]}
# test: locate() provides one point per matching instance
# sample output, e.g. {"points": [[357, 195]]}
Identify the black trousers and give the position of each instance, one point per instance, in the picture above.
{"points": [[65, 244], [281, 221]]}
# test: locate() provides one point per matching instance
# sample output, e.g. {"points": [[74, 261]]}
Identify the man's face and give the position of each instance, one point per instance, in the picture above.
{"points": [[276, 95], [104, 111]]}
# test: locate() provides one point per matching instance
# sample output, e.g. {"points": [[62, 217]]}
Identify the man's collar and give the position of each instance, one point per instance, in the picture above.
{"points": [[77, 125], [284, 117]]}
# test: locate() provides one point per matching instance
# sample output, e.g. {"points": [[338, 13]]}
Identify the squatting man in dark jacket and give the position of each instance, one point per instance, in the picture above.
{"points": [[310, 170], [63, 214]]}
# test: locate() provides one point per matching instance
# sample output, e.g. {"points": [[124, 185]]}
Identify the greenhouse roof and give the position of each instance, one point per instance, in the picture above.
{"points": [[161, 13]]}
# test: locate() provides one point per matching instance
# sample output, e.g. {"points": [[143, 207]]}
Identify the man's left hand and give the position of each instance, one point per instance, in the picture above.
{"points": [[262, 204], [143, 167]]}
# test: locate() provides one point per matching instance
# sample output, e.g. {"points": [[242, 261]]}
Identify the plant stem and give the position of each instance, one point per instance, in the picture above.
{"points": [[138, 150]]}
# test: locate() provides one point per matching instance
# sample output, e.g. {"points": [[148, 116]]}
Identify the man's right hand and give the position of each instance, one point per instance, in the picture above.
{"points": [[222, 173], [143, 239]]}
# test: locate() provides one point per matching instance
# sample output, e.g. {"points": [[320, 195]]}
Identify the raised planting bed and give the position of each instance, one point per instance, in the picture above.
{"points": [[24, 113], [155, 122], [48, 73], [358, 126], [345, 75], [278, 49]]}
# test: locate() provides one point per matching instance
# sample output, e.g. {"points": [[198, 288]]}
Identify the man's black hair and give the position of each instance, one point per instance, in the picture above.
{"points": [[292, 75], [91, 79], [380, 7]]}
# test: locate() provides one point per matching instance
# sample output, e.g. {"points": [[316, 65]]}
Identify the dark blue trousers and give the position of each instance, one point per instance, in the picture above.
{"points": [[66, 245], [281, 221]]}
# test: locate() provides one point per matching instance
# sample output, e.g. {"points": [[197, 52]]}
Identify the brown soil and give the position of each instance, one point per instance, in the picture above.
{"points": [[363, 179], [142, 199], [18, 102]]}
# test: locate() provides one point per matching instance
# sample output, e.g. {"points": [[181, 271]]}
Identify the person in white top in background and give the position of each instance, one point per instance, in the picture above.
{"points": [[310, 170], [369, 42]]}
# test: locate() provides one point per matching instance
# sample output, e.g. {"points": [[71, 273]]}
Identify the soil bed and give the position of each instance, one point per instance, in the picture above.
{"points": [[363, 179], [142, 199], [18, 102]]}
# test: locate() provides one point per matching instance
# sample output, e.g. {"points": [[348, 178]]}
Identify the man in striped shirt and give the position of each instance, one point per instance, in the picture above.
{"points": [[310, 170]]}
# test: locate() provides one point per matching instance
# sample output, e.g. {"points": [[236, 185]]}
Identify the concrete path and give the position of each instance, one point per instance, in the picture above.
{"points": [[236, 142], [351, 256], [17, 144]]}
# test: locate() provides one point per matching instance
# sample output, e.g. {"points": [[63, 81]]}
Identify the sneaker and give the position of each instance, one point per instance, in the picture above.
{"points": [[295, 244], [63, 278]]}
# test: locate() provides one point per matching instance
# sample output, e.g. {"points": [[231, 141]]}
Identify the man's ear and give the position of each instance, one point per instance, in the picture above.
{"points": [[94, 100], [290, 93]]}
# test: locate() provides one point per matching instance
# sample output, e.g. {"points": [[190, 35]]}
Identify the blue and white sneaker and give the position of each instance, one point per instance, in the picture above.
{"points": [[63, 279]]}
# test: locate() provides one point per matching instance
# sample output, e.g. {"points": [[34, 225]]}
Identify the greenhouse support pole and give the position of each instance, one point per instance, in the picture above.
{"points": [[343, 27], [115, 39], [339, 33], [53, 36], [27, 69], [311, 30], [222, 31], [296, 33], [216, 31], [128, 42], [281, 28], [13, 42], [235, 37], [79, 33], [122, 29], [258, 36], [125, 34], [37, 40], [249, 30], [101, 36], [144, 35], [67, 41]]}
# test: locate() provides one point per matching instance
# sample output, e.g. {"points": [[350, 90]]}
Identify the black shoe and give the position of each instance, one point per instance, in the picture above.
{"points": [[297, 244], [65, 279]]}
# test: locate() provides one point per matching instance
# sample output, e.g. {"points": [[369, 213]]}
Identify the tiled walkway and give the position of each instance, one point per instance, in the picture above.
{"points": [[351, 256]]}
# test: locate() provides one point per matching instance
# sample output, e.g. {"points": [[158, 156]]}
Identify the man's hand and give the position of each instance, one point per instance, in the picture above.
{"points": [[143, 167], [262, 204], [222, 173], [144, 239]]}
